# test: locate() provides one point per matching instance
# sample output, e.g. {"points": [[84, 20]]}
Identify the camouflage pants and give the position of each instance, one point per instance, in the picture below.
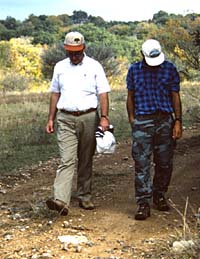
{"points": [[152, 138]]}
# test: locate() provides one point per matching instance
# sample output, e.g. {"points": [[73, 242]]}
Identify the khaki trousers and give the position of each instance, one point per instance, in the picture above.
{"points": [[77, 143]]}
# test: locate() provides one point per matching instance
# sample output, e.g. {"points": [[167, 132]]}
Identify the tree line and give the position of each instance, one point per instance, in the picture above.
{"points": [[30, 48]]}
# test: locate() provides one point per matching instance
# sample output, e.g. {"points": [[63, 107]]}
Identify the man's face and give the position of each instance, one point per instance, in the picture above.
{"points": [[76, 57]]}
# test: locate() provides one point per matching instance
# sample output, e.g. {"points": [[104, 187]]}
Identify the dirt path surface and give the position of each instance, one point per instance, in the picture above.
{"points": [[29, 230]]}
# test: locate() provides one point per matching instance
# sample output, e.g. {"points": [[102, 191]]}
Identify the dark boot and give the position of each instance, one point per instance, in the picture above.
{"points": [[143, 211], [160, 203]]}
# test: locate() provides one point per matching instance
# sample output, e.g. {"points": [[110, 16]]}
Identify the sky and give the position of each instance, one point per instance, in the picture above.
{"points": [[109, 10]]}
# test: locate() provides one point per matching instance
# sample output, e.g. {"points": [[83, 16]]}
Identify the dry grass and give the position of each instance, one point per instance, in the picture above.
{"points": [[24, 116]]}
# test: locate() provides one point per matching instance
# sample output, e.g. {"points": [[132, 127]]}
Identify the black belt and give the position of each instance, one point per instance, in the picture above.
{"points": [[155, 115], [79, 113]]}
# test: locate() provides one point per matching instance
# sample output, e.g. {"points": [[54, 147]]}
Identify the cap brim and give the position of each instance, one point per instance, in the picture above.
{"points": [[155, 61], [74, 48]]}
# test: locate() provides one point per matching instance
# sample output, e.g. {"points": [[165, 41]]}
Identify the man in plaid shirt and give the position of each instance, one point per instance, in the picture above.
{"points": [[155, 115]]}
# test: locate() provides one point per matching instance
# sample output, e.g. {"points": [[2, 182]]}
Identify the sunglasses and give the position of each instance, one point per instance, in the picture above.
{"points": [[76, 54]]}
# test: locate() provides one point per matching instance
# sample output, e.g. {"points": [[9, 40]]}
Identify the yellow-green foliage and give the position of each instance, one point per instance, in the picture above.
{"points": [[39, 86], [21, 65], [118, 81], [21, 56], [180, 52], [26, 57]]}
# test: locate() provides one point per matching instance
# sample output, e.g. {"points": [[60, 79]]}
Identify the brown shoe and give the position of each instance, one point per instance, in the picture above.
{"points": [[57, 205], [87, 205]]}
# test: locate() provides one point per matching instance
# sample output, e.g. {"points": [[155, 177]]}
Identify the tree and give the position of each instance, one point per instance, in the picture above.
{"points": [[11, 23], [96, 20], [181, 42], [143, 29], [3, 31], [26, 29], [121, 30], [160, 18], [50, 56], [105, 55], [79, 17], [65, 19], [94, 34], [43, 37]]}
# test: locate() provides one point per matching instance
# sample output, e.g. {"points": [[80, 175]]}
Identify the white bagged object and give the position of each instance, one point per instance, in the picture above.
{"points": [[106, 142]]}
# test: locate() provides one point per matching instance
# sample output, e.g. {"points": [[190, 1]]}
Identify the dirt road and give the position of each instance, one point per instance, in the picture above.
{"points": [[29, 230]]}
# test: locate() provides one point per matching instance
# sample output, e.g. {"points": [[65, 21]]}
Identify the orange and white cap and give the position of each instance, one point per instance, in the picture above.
{"points": [[74, 41]]}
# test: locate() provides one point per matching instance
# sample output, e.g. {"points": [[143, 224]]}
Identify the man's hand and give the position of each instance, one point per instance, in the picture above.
{"points": [[104, 123], [50, 126], [177, 130]]}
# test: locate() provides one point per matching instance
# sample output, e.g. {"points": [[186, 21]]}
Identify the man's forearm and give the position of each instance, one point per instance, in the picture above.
{"points": [[53, 103], [130, 106], [104, 104], [177, 105]]}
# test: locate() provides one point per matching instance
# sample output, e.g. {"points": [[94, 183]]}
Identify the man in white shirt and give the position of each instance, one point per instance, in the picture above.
{"points": [[78, 87]]}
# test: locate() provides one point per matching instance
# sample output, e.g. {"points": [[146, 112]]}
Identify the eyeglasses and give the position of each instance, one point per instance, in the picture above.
{"points": [[76, 54]]}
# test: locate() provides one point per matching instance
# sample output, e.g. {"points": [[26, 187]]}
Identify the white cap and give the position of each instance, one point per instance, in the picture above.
{"points": [[152, 52], [74, 41]]}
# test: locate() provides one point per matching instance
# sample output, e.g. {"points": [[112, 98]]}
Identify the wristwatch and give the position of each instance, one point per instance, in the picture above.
{"points": [[105, 116], [178, 119]]}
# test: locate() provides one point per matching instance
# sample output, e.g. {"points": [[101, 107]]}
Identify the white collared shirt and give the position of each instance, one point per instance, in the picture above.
{"points": [[79, 85]]}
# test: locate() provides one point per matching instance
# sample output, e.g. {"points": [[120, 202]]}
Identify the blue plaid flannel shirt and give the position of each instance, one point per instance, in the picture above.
{"points": [[152, 86]]}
